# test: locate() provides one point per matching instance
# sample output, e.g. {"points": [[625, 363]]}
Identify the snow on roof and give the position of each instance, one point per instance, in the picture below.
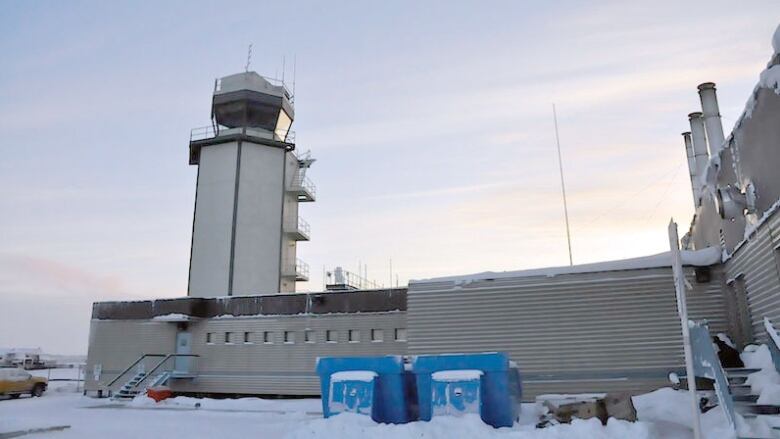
{"points": [[704, 257], [173, 317], [768, 79]]}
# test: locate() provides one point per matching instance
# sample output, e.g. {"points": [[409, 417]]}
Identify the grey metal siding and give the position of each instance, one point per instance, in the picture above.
{"points": [[115, 344], [587, 332], [756, 260], [248, 368]]}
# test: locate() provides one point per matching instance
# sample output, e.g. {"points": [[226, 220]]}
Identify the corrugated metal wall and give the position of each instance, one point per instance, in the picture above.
{"points": [[250, 368], [115, 344], [756, 263], [587, 332]]}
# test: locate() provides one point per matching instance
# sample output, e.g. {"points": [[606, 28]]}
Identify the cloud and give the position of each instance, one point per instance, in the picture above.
{"points": [[43, 277]]}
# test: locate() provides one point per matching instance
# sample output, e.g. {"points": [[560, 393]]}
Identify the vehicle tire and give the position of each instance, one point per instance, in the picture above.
{"points": [[15, 396], [37, 390]]}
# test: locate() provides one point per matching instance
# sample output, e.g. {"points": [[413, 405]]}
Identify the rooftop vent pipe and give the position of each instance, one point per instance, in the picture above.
{"points": [[701, 157], [709, 106], [695, 185]]}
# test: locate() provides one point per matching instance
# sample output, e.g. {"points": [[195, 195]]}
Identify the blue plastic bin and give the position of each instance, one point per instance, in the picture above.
{"points": [[468, 383], [374, 386]]}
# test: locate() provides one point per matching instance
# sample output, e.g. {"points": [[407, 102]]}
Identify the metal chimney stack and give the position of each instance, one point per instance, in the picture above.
{"points": [[700, 155], [709, 107], [695, 184]]}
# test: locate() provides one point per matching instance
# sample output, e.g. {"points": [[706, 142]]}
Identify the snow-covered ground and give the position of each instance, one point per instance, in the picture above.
{"points": [[662, 414]]}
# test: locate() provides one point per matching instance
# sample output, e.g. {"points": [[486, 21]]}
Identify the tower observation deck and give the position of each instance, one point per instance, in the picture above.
{"points": [[250, 181]]}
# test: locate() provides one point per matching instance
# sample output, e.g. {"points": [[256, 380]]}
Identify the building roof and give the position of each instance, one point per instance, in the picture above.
{"points": [[705, 257]]}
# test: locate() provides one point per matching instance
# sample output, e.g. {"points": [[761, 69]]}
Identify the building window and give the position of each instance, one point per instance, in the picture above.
{"points": [[308, 336], [209, 338], [400, 334], [331, 336], [268, 337], [354, 336], [247, 338], [228, 338], [377, 335], [289, 337]]}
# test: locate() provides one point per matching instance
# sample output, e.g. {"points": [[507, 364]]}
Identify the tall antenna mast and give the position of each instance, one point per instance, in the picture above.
{"points": [[295, 63], [563, 185], [248, 58]]}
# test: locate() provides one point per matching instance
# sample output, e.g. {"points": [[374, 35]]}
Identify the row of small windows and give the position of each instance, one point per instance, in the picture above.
{"points": [[331, 336]]}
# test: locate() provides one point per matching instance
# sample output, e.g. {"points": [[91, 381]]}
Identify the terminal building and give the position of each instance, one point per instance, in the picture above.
{"points": [[612, 326]]}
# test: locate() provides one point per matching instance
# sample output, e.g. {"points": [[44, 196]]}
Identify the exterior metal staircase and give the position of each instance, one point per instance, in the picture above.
{"points": [[158, 375], [132, 388], [734, 394]]}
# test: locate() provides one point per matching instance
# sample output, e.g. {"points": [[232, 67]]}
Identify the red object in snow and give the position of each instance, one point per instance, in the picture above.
{"points": [[159, 393]]}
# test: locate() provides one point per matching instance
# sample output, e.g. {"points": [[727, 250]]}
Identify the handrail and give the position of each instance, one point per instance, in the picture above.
{"points": [[131, 366], [301, 268], [707, 365], [301, 182], [773, 341], [154, 369], [141, 358]]}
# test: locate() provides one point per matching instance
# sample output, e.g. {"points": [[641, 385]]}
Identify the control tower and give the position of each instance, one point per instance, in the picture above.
{"points": [[246, 225]]}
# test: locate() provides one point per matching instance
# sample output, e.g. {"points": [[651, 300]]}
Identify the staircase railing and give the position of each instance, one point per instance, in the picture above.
{"points": [[165, 357], [773, 341], [707, 365]]}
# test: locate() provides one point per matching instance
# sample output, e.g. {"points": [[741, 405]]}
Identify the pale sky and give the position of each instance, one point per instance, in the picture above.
{"points": [[431, 123]]}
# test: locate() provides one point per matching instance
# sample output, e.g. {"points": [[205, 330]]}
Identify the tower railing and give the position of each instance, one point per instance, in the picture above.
{"points": [[303, 227], [210, 132], [301, 269], [302, 184], [300, 227]]}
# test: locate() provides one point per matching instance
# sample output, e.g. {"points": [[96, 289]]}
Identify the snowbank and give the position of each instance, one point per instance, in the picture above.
{"points": [[307, 405], [351, 426], [704, 257], [766, 382]]}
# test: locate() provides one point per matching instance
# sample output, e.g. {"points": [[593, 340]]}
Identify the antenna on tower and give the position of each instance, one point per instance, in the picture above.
{"points": [[248, 58], [283, 63], [295, 64], [563, 186]]}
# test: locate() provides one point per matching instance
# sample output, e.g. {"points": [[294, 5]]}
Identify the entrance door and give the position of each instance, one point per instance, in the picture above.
{"points": [[181, 365]]}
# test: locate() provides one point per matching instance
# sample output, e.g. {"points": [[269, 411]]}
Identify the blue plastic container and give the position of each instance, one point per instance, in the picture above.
{"points": [[374, 386], [468, 383]]}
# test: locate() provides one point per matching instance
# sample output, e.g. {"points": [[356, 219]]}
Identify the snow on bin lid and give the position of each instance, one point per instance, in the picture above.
{"points": [[353, 375], [457, 375]]}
